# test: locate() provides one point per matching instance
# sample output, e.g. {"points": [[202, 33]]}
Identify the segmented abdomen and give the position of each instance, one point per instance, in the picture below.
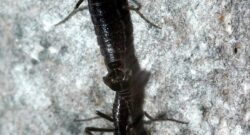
{"points": [[110, 29]]}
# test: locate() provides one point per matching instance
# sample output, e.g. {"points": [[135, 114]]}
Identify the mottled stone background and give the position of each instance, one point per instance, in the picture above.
{"points": [[199, 63]]}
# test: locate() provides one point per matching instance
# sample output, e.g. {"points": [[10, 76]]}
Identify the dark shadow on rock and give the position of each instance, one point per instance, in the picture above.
{"points": [[138, 81]]}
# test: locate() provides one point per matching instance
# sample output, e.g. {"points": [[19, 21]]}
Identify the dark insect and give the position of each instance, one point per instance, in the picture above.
{"points": [[111, 19], [113, 28]]}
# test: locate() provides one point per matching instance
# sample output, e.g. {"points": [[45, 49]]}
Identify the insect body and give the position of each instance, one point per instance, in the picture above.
{"points": [[112, 25]]}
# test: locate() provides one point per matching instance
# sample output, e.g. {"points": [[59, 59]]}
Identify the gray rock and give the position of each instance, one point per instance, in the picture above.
{"points": [[199, 65]]}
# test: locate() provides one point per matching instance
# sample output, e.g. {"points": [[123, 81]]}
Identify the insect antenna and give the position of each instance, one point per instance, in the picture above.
{"points": [[137, 10], [72, 13]]}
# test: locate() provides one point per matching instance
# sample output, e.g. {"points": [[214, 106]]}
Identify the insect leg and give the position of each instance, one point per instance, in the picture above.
{"points": [[78, 4], [160, 118], [100, 115], [72, 13], [137, 10], [89, 130], [105, 116], [88, 119]]}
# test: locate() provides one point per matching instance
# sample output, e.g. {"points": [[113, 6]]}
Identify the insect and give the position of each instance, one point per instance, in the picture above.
{"points": [[111, 19], [113, 29]]}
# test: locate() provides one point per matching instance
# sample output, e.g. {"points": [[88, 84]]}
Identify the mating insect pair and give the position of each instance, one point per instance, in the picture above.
{"points": [[113, 28]]}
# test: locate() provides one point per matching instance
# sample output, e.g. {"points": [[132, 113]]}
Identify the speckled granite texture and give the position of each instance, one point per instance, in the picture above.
{"points": [[199, 63]]}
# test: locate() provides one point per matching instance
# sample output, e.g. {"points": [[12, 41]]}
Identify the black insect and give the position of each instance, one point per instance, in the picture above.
{"points": [[113, 28], [112, 23]]}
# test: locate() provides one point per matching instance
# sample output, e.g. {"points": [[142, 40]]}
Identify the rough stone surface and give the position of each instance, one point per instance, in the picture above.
{"points": [[199, 63]]}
